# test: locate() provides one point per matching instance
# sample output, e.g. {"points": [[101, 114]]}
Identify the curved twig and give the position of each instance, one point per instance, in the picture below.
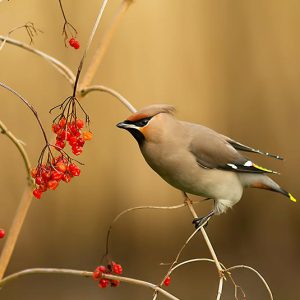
{"points": [[102, 88], [84, 274], [59, 66], [256, 272], [221, 280], [132, 209], [177, 258], [20, 147], [29, 106]]}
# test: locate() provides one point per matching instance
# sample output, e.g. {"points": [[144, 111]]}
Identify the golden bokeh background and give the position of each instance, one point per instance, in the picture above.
{"points": [[233, 66]]}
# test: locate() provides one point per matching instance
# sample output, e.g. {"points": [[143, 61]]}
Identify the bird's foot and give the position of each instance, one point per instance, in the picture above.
{"points": [[201, 221]]}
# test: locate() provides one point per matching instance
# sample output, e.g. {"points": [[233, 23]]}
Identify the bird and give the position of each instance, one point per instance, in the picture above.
{"points": [[198, 160]]}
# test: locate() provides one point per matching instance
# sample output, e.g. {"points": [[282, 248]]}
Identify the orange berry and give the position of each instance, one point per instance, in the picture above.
{"points": [[87, 135]]}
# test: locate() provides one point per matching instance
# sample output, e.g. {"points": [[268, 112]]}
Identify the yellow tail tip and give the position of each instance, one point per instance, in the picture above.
{"points": [[292, 197]]}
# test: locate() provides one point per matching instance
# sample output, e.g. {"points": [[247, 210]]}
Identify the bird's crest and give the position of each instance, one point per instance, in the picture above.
{"points": [[152, 110]]}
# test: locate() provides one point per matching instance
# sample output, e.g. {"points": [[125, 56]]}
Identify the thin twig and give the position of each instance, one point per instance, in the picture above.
{"points": [[256, 272], [110, 91], [99, 16], [24, 205], [15, 276], [220, 288], [59, 66], [103, 46], [177, 257], [205, 236], [133, 209], [20, 147], [237, 287], [30, 29], [29, 106], [221, 280]]}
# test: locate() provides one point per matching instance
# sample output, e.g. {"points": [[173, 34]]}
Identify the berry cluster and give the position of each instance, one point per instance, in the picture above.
{"points": [[167, 281], [112, 268], [74, 43], [2, 233], [70, 131], [47, 176]]}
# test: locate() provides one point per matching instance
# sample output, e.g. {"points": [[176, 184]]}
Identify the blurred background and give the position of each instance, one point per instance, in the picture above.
{"points": [[233, 66]]}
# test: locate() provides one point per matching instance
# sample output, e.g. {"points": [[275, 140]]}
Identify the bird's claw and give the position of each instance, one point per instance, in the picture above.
{"points": [[201, 221]]}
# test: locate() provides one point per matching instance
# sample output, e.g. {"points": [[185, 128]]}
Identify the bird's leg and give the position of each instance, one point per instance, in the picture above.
{"points": [[198, 222]]}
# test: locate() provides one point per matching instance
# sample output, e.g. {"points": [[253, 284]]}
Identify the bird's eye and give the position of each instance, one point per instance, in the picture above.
{"points": [[143, 122]]}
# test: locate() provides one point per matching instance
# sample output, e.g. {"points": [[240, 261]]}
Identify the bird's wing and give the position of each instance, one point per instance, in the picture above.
{"points": [[213, 151], [239, 146]]}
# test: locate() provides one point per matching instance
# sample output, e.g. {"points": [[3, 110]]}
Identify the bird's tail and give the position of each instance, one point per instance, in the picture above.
{"points": [[264, 182]]}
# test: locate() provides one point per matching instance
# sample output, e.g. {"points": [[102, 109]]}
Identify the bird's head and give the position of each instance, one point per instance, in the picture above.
{"points": [[147, 123]]}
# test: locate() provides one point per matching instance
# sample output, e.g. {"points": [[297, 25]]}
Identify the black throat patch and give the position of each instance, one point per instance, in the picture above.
{"points": [[139, 137]]}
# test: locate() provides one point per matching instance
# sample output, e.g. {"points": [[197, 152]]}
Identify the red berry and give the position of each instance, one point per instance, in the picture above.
{"points": [[114, 283], [72, 128], [72, 41], [103, 269], [52, 184], [56, 175], [79, 123], [66, 177], [37, 193], [60, 144], [34, 172], [80, 142], [103, 283], [98, 272], [116, 268], [55, 128], [2, 233], [73, 141], [60, 166], [87, 135], [74, 170], [76, 45], [76, 150], [39, 180], [62, 123], [46, 174], [43, 187], [167, 281], [64, 135]]}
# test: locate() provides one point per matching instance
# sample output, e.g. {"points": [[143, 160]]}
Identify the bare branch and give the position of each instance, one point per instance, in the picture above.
{"points": [[205, 236], [20, 147], [256, 272], [17, 275], [110, 91], [221, 279], [99, 16], [103, 46], [133, 209], [59, 66]]}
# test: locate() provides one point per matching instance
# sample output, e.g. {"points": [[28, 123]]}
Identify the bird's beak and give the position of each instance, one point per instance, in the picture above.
{"points": [[125, 125]]}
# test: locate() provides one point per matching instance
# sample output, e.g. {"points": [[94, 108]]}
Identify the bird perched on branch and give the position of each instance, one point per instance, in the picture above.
{"points": [[196, 159]]}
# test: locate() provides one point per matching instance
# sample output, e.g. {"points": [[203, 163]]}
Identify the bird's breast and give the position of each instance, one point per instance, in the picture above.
{"points": [[179, 168]]}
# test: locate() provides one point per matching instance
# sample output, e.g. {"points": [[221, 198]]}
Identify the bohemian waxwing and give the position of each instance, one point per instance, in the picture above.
{"points": [[197, 160]]}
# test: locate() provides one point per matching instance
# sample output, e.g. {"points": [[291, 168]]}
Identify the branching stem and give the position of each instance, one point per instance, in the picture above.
{"points": [[17, 275]]}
